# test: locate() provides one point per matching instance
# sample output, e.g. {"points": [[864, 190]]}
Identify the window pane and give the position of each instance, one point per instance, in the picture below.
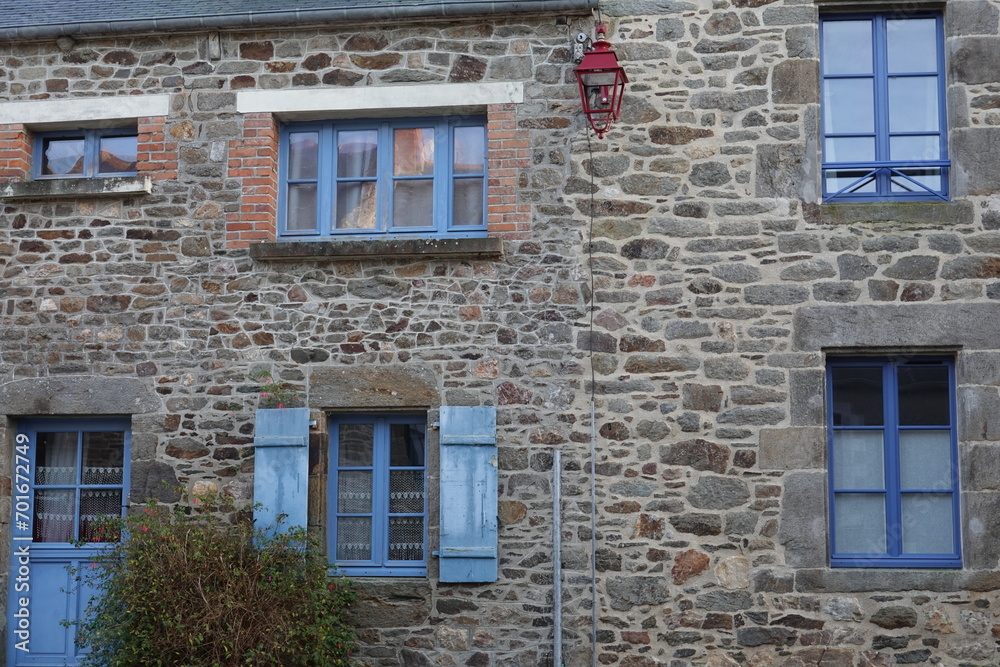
{"points": [[913, 104], [303, 155], [62, 157], [413, 151], [354, 491], [355, 445], [103, 457], [925, 460], [857, 396], [55, 458], [96, 504], [847, 47], [406, 538], [928, 526], [858, 460], [467, 208], [356, 205], [301, 212], [860, 182], [413, 203], [55, 514], [406, 491], [470, 150], [850, 149], [911, 45], [118, 154], [923, 396], [915, 148], [354, 538], [848, 106], [928, 177], [357, 154], [859, 523], [406, 447]]}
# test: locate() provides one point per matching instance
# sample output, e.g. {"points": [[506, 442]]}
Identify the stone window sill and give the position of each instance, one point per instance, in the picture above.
{"points": [[62, 188], [350, 249], [904, 212]]}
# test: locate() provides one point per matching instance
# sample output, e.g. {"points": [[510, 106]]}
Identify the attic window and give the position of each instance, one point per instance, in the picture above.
{"points": [[96, 153]]}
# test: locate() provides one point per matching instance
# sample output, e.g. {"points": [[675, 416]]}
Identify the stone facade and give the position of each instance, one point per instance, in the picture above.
{"points": [[682, 273]]}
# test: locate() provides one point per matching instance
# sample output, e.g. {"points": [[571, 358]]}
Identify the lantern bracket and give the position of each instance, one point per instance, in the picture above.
{"points": [[582, 44]]}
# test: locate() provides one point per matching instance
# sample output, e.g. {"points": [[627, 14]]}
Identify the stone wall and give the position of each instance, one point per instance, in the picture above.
{"points": [[718, 281]]}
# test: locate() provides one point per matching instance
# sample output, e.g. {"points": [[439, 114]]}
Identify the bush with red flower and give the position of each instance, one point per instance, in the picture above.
{"points": [[193, 588]]}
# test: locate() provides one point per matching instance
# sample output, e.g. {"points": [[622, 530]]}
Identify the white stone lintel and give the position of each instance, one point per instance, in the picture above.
{"points": [[84, 111], [382, 101]]}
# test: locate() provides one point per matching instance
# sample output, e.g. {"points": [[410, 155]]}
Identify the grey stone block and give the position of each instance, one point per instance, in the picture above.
{"points": [[803, 530], [802, 42], [738, 101], [626, 592], [947, 214], [373, 388], [781, 171], [78, 395], [838, 292], [974, 169], [736, 273], [154, 480], [958, 107], [718, 493], [862, 580], [978, 410], [795, 82], [810, 269], [980, 466], [727, 601], [970, 325], [807, 389], [914, 267], [972, 17], [981, 530], [979, 368], [974, 59], [776, 295], [798, 448], [391, 603]]}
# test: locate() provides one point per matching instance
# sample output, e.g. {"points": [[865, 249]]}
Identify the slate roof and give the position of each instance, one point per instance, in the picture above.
{"points": [[26, 18], [50, 12]]}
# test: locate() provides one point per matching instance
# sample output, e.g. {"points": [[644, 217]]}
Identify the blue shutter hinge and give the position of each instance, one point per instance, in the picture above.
{"points": [[466, 552], [280, 441]]}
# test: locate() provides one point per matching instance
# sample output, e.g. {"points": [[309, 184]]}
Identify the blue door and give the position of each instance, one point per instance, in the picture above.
{"points": [[67, 474]]}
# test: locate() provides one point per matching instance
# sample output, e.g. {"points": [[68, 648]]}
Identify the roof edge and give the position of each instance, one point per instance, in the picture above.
{"points": [[375, 11]]}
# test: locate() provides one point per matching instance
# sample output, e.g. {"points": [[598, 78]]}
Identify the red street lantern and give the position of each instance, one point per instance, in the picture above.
{"points": [[602, 84]]}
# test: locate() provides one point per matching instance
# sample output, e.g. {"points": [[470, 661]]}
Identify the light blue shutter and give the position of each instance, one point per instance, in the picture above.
{"points": [[468, 494], [281, 467]]}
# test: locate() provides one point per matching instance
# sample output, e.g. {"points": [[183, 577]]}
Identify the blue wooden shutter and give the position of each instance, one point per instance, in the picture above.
{"points": [[468, 494], [281, 467]]}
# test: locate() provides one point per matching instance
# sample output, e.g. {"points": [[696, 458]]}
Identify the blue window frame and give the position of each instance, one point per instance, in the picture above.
{"points": [[884, 125], [378, 495], [399, 177], [894, 497], [96, 153]]}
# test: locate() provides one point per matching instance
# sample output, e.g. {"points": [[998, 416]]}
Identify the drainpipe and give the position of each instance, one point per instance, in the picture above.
{"points": [[593, 538], [557, 558]]}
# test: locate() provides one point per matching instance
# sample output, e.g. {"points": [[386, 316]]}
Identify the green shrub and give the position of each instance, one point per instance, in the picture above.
{"points": [[198, 591]]}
